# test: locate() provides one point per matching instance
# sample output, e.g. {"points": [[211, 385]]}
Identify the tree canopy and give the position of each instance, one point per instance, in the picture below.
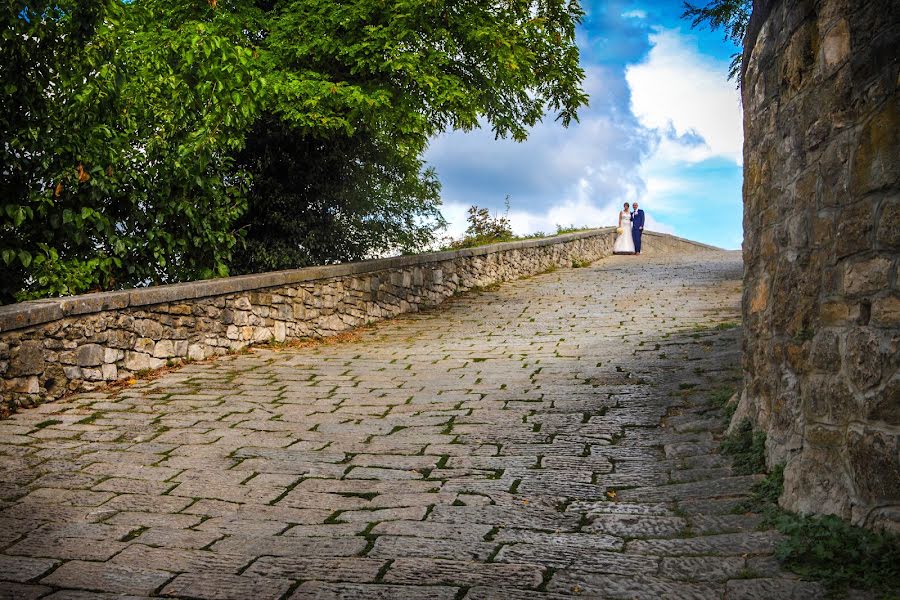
{"points": [[150, 142]]}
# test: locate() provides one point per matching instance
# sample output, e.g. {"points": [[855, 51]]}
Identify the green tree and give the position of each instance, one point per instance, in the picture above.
{"points": [[319, 200], [732, 16], [357, 90], [117, 163], [164, 122], [485, 228]]}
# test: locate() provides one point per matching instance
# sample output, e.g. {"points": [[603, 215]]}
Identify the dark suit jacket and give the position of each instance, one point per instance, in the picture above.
{"points": [[637, 219]]}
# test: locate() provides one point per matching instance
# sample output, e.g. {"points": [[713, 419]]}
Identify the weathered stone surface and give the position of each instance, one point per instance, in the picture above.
{"points": [[729, 544], [26, 359], [629, 587], [702, 568], [234, 478], [142, 329], [138, 361], [352, 570], [105, 577], [220, 586], [763, 589], [90, 355], [22, 591], [332, 591], [23, 569], [637, 526], [423, 571], [822, 240]]}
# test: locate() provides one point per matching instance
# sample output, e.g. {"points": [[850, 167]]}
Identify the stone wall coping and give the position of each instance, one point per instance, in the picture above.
{"points": [[36, 312]]}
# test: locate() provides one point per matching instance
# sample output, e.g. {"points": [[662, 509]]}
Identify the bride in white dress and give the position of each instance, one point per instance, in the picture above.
{"points": [[624, 244]]}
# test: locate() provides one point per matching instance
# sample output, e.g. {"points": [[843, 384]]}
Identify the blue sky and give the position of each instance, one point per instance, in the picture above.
{"points": [[663, 128]]}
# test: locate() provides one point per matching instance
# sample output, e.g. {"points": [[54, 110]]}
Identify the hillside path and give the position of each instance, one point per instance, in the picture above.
{"points": [[549, 438]]}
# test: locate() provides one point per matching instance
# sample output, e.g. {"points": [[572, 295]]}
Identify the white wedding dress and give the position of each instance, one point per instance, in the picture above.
{"points": [[624, 243]]}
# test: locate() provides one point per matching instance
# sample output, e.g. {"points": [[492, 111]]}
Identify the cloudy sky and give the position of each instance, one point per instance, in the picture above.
{"points": [[663, 128]]}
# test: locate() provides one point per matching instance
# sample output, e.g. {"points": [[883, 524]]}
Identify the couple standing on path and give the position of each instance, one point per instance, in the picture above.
{"points": [[631, 226]]}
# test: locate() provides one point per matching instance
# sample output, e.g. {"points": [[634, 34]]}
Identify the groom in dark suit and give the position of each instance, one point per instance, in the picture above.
{"points": [[637, 227]]}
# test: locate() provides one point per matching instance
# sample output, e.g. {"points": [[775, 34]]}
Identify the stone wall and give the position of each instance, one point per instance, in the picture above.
{"points": [[822, 235], [51, 347]]}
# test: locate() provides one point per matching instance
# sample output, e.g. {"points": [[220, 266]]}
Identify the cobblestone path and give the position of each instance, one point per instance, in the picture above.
{"points": [[547, 439]]}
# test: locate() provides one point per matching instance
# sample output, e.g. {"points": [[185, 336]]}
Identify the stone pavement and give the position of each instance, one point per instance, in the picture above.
{"points": [[549, 438]]}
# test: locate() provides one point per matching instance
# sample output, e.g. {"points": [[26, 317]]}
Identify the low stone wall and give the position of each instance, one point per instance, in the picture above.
{"points": [[51, 347], [822, 252]]}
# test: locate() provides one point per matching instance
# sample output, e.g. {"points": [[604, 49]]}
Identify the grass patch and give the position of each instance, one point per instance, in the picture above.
{"points": [[579, 263], [90, 418], [721, 396], [838, 554], [563, 229], [748, 449], [764, 495], [363, 495], [47, 423], [827, 548]]}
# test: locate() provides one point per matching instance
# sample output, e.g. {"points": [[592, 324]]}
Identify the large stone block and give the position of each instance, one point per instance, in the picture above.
{"points": [[827, 399], [27, 359], [23, 385], [874, 458], [876, 160], [836, 46], [867, 276], [810, 488], [138, 361], [887, 233], [164, 349], [886, 311], [824, 353], [854, 229], [90, 355], [864, 358]]}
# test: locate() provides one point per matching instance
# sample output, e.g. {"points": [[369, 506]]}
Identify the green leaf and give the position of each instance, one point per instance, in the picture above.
{"points": [[25, 258]]}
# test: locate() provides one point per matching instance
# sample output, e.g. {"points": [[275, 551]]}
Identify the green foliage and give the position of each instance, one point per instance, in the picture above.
{"points": [[830, 550], [748, 449], [764, 494], [732, 16], [563, 229], [316, 200], [116, 167], [485, 228], [720, 397], [142, 139], [827, 548]]}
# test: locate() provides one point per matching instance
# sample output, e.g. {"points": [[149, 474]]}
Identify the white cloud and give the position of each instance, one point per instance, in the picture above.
{"points": [[592, 163], [647, 126], [682, 96], [635, 14]]}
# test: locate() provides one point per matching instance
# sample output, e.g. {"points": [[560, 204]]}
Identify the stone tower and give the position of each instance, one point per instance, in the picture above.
{"points": [[822, 240]]}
